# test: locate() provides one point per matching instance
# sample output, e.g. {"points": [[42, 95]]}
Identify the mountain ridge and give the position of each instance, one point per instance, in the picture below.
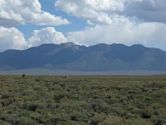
{"points": [[73, 57]]}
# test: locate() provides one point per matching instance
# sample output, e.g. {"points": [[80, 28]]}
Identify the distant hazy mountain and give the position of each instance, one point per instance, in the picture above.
{"points": [[73, 57]]}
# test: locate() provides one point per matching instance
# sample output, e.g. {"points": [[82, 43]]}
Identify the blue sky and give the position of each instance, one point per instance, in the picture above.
{"points": [[25, 24], [76, 24]]}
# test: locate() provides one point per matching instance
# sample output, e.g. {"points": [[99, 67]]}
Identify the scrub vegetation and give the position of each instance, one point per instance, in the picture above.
{"points": [[82, 100]]}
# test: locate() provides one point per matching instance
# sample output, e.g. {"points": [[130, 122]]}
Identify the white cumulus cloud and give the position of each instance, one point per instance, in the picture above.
{"points": [[11, 38], [46, 36], [148, 34], [26, 11], [99, 11], [104, 11], [118, 21]]}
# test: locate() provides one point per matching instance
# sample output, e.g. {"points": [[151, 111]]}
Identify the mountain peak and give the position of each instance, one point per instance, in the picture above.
{"points": [[118, 45], [68, 44], [138, 46], [100, 57]]}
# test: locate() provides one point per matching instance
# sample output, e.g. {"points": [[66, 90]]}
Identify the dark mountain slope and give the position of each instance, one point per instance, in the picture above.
{"points": [[72, 57]]}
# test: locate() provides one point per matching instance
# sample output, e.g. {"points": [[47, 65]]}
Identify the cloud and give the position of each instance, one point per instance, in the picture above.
{"points": [[146, 10], [46, 36], [26, 11], [118, 21], [110, 21], [99, 11], [107, 11], [148, 34], [11, 38]]}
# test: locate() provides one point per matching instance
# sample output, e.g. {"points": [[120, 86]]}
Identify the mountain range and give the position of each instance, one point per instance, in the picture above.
{"points": [[96, 58]]}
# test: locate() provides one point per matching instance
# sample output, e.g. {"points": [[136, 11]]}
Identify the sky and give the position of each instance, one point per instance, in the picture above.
{"points": [[29, 23]]}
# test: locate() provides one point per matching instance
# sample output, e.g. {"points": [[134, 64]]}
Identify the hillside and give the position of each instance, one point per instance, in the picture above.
{"points": [[72, 57]]}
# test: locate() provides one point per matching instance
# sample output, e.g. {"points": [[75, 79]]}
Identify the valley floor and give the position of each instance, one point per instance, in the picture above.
{"points": [[82, 100], [46, 71]]}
